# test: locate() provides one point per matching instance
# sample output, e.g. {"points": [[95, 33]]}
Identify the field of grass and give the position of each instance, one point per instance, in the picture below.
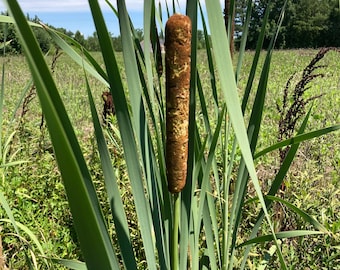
{"points": [[35, 191]]}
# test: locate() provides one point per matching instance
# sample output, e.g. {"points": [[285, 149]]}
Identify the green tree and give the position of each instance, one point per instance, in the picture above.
{"points": [[63, 30], [79, 37], [306, 23], [240, 16], [200, 39], [117, 43], [41, 35], [93, 43], [257, 15], [8, 33], [332, 37], [139, 34]]}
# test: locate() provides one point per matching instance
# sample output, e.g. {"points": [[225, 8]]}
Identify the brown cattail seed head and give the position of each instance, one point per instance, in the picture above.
{"points": [[177, 67]]}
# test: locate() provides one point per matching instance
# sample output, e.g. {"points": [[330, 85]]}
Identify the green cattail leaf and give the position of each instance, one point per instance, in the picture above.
{"points": [[301, 213], [229, 89], [243, 45], [276, 184], [279, 235], [70, 264], [258, 49], [88, 219], [114, 196], [64, 41], [188, 191], [210, 59], [206, 202], [127, 133], [9, 19], [298, 139]]}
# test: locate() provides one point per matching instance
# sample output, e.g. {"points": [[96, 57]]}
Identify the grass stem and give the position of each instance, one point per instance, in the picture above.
{"points": [[174, 238]]}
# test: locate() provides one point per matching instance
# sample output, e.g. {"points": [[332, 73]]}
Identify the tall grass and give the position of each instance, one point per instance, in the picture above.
{"points": [[210, 231]]}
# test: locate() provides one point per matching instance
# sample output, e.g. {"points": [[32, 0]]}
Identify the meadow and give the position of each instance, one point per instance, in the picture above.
{"points": [[35, 191]]}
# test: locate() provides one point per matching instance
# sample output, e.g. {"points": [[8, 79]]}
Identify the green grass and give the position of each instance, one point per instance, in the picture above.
{"points": [[36, 194]]}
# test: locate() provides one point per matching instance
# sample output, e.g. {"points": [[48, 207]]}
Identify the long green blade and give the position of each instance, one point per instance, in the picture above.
{"points": [[127, 134], [187, 193], [256, 58], [64, 41], [90, 225], [114, 196], [276, 184], [279, 235], [300, 212], [229, 89], [244, 41], [298, 139], [70, 264]]}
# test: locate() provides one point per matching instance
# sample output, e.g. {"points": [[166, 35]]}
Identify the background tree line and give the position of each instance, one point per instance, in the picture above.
{"points": [[307, 24], [8, 33]]}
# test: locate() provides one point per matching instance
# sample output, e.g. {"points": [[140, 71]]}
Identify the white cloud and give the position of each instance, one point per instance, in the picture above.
{"points": [[51, 6], [79, 5]]}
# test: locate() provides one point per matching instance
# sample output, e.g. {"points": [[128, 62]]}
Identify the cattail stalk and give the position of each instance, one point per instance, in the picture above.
{"points": [[177, 67]]}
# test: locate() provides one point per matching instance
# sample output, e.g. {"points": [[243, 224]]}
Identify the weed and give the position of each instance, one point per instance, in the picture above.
{"points": [[293, 105], [108, 107]]}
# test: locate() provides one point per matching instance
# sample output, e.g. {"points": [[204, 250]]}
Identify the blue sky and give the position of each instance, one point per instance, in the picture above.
{"points": [[75, 15]]}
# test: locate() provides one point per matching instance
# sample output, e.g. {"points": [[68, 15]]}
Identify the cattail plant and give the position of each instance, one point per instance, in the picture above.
{"points": [[143, 144], [177, 64]]}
